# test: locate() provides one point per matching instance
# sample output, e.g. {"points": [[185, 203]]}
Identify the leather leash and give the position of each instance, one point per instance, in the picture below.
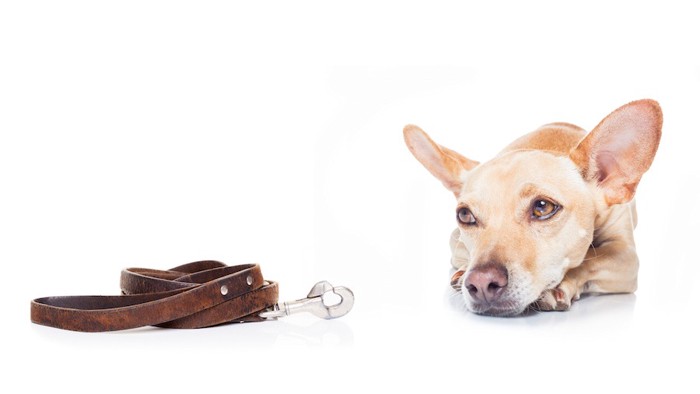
{"points": [[194, 295]]}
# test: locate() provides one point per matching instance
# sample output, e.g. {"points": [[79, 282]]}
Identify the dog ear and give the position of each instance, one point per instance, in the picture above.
{"points": [[620, 149], [445, 164]]}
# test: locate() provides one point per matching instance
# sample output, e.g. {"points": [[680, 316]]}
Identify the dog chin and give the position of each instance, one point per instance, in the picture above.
{"points": [[499, 309]]}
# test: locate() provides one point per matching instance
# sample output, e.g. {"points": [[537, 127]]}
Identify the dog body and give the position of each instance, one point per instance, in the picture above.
{"points": [[551, 217]]}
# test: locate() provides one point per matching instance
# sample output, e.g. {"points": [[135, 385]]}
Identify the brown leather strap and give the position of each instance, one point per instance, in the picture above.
{"points": [[195, 295]]}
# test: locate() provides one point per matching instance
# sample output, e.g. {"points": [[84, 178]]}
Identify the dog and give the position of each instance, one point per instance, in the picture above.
{"points": [[551, 217]]}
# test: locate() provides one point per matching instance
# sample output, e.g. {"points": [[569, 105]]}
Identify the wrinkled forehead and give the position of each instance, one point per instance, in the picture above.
{"points": [[523, 173]]}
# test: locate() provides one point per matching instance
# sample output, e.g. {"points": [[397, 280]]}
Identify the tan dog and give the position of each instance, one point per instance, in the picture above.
{"points": [[551, 217]]}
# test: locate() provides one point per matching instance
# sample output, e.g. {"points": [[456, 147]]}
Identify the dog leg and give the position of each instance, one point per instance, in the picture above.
{"points": [[609, 268], [460, 255]]}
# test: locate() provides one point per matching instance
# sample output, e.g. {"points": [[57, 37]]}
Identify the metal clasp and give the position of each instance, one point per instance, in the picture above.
{"points": [[317, 302]]}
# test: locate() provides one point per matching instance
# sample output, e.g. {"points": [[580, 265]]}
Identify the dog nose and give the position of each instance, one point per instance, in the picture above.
{"points": [[487, 283]]}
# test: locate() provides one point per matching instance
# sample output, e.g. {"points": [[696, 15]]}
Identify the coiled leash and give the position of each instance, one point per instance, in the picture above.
{"points": [[195, 295]]}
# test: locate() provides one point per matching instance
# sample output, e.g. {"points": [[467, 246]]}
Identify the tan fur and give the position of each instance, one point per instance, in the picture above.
{"points": [[556, 138], [587, 246]]}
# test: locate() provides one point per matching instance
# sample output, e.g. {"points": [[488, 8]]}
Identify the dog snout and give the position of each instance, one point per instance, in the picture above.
{"points": [[486, 283]]}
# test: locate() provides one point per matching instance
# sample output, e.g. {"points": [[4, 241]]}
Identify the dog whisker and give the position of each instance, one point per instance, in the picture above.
{"points": [[594, 257]]}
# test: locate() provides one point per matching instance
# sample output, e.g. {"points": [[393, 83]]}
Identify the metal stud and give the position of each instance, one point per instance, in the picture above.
{"points": [[249, 280], [224, 290]]}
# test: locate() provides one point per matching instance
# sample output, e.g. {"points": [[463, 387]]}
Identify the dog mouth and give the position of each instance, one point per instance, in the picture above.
{"points": [[504, 308], [515, 298]]}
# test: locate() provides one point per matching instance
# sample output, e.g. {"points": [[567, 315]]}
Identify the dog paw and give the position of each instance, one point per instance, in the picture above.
{"points": [[553, 300], [456, 281]]}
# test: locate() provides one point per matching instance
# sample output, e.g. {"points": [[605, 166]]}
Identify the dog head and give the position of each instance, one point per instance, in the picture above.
{"points": [[529, 215]]}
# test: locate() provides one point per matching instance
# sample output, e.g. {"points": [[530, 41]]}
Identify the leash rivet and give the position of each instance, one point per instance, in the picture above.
{"points": [[224, 290], [249, 280]]}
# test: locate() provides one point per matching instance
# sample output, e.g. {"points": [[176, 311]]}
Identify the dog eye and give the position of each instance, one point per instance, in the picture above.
{"points": [[544, 209], [465, 217]]}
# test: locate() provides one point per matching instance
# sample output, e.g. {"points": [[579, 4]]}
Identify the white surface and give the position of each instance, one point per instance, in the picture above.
{"points": [[154, 134]]}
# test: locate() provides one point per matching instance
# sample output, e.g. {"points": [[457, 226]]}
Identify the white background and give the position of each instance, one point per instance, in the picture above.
{"points": [[158, 133]]}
